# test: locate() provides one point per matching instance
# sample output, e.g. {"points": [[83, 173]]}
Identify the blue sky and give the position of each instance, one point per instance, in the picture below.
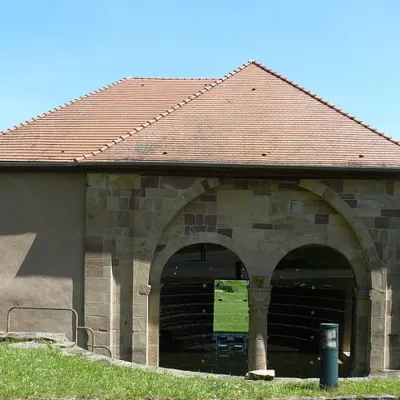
{"points": [[345, 51]]}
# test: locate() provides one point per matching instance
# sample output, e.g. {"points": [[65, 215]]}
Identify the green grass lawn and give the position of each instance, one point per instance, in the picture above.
{"points": [[45, 373], [231, 311]]}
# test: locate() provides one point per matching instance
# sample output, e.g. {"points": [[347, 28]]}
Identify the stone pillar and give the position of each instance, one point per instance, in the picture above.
{"points": [[378, 331], [259, 297], [361, 343], [153, 345], [98, 310]]}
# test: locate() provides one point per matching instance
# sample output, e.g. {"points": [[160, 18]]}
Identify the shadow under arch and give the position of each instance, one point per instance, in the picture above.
{"points": [[177, 243], [358, 291], [349, 250], [193, 280]]}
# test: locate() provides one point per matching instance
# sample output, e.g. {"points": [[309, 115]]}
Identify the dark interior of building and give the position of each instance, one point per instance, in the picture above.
{"points": [[188, 339], [312, 284]]}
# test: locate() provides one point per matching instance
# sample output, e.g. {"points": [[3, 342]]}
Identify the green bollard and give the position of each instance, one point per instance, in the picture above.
{"points": [[329, 354]]}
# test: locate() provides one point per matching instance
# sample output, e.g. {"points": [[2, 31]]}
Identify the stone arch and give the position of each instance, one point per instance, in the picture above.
{"points": [[197, 189], [365, 340], [179, 242], [371, 303], [357, 226], [160, 259], [357, 261], [146, 296]]}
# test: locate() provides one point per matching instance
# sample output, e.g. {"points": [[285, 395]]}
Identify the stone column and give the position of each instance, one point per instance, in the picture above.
{"points": [[98, 310], [361, 343], [153, 344], [378, 331], [259, 297], [140, 309]]}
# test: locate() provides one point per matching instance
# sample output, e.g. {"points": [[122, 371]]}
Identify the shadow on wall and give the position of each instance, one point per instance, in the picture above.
{"points": [[394, 333], [41, 248]]}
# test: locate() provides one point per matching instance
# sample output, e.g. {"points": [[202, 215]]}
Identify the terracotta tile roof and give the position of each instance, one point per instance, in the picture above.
{"points": [[251, 116], [255, 116], [89, 122]]}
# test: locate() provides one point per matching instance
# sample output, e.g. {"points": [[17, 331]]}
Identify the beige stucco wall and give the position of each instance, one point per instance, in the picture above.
{"points": [[41, 248]]}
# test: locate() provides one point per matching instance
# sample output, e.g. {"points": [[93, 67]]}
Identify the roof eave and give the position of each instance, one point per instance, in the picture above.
{"points": [[191, 164], [224, 168]]}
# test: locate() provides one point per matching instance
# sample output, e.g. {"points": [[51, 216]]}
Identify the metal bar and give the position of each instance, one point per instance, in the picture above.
{"points": [[104, 347], [76, 326], [44, 308], [86, 328]]}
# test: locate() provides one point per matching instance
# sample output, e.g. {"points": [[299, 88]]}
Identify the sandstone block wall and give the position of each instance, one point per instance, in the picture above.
{"points": [[134, 223]]}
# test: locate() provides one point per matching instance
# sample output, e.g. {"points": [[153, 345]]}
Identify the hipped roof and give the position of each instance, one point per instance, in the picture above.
{"points": [[252, 116]]}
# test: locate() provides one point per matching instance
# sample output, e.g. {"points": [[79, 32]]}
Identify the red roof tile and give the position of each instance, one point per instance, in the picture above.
{"points": [[89, 122], [251, 116], [255, 116]]}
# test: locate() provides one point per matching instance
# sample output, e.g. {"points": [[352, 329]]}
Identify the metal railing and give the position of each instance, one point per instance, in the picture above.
{"points": [[76, 324], [74, 313]]}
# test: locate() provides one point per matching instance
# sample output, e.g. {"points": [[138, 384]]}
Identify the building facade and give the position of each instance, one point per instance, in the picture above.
{"points": [[135, 223], [94, 230]]}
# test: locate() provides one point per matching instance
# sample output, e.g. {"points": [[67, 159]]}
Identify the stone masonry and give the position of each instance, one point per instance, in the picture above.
{"points": [[134, 223]]}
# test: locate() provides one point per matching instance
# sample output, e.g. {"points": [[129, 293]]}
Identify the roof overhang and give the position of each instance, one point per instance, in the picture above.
{"points": [[209, 169]]}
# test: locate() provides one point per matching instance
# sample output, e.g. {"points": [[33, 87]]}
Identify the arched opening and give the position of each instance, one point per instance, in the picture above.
{"points": [[204, 311], [310, 285]]}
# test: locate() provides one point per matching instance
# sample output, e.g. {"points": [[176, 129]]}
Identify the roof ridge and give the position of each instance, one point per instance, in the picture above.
{"points": [[62, 106], [161, 78], [121, 138], [325, 102]]}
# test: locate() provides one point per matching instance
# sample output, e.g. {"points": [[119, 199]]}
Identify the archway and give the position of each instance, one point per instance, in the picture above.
{"points": [[203, 321], [310, 285]]}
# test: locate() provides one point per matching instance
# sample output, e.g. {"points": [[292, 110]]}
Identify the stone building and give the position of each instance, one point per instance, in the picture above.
{"points": [[99, 194]]}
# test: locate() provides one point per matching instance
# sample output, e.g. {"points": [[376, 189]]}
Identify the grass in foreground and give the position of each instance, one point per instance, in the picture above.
{"points": [[45, 373]]}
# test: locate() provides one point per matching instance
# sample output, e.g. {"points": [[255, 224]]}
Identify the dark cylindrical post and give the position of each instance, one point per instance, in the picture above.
{"points": [[329, 354]]}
